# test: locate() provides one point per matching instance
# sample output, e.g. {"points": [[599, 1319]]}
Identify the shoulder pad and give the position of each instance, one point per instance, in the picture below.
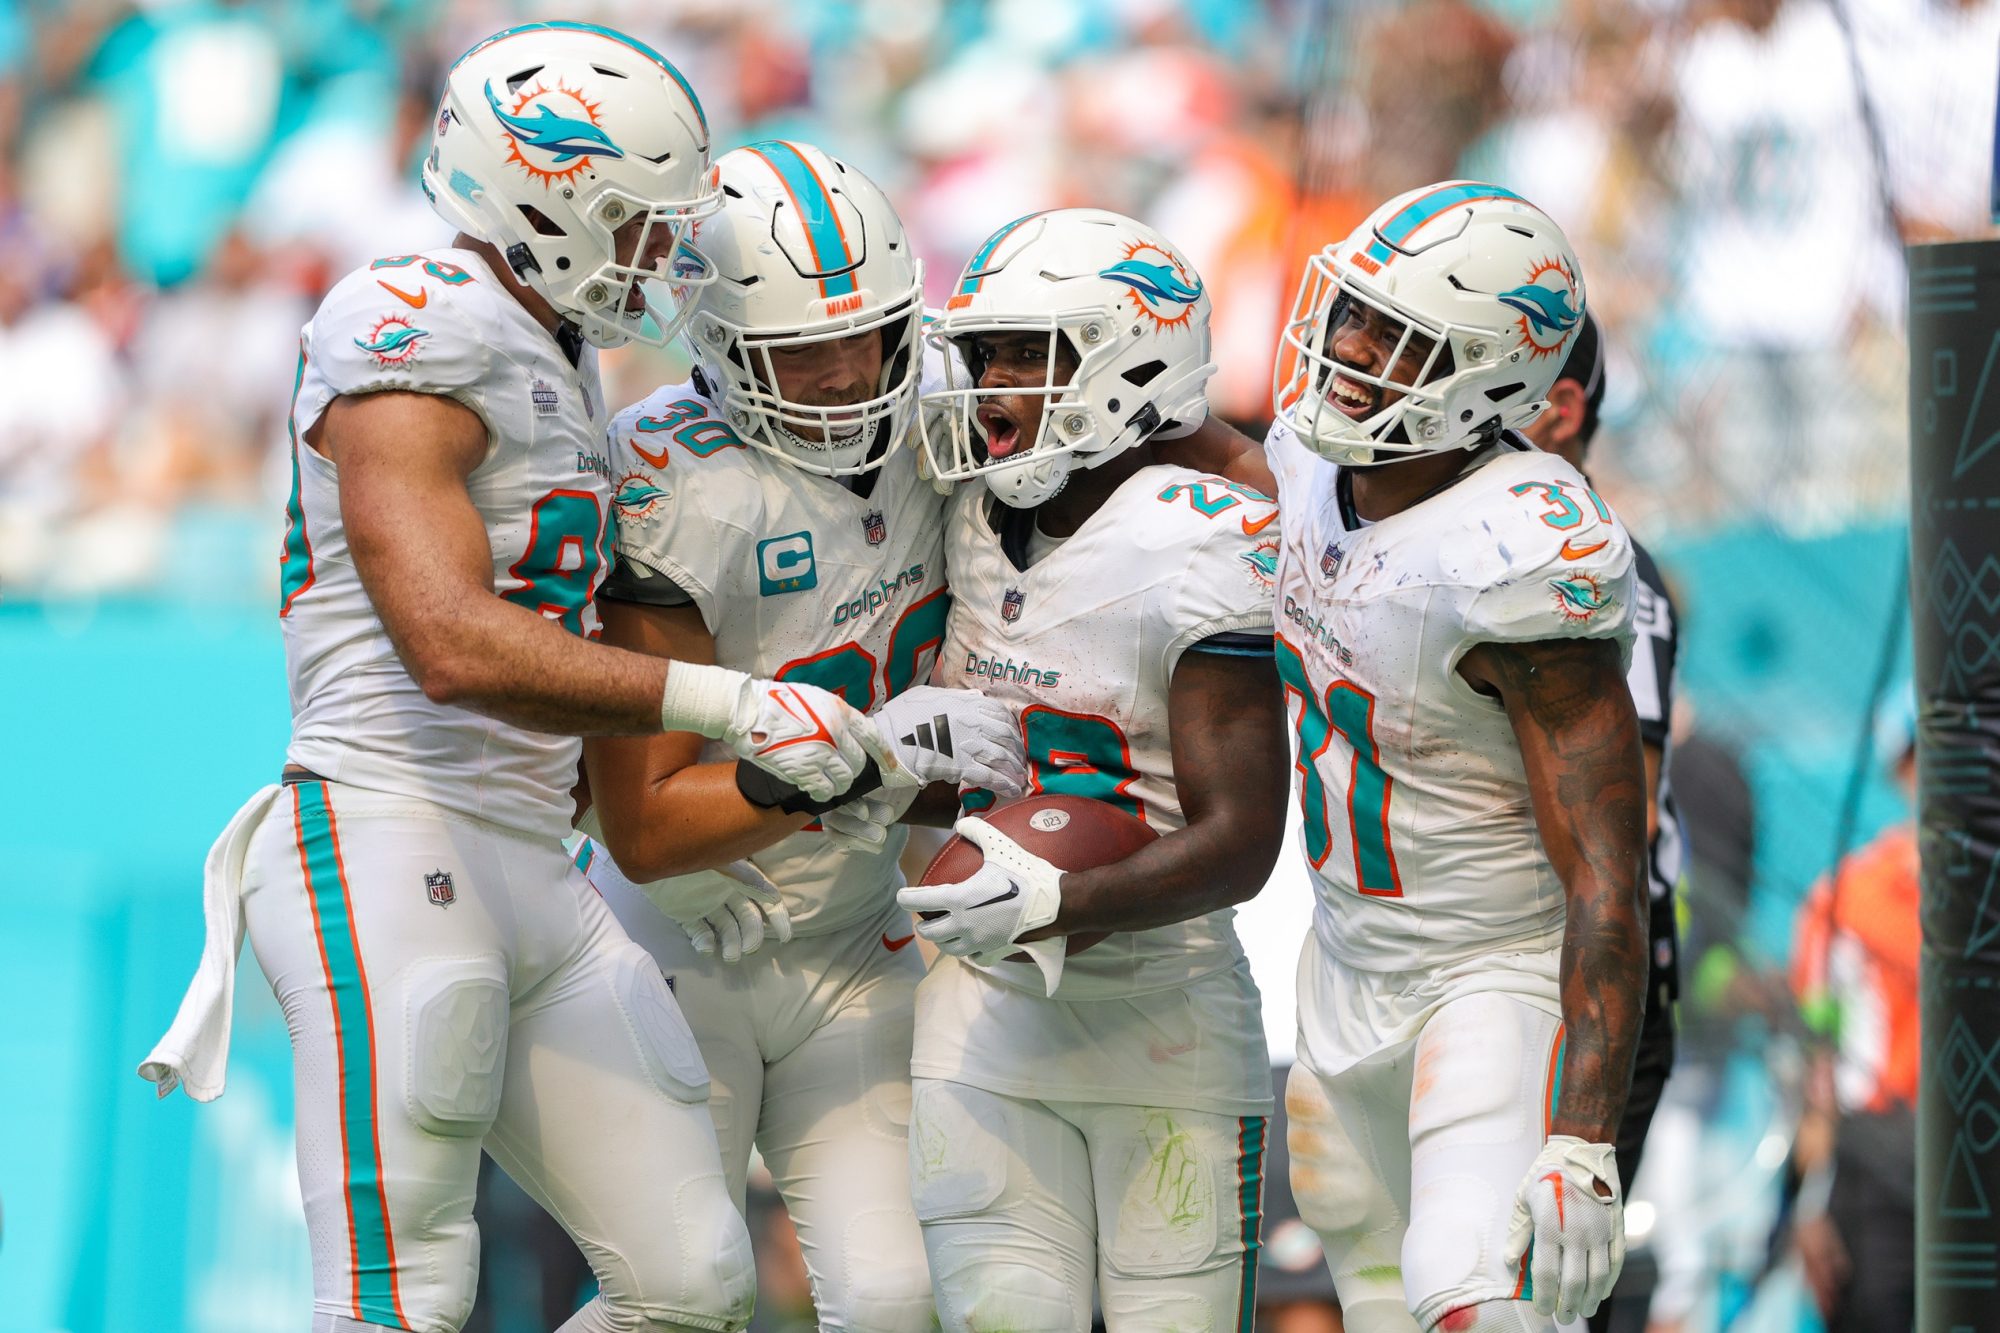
{"points": [[675, 424], [1227, 537], [410, 322], [1543, 556], [685, 489]]}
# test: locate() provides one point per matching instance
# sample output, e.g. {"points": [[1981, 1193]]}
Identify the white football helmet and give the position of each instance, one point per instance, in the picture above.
{"points": [[1477, 294], [1130, 308], [549, 138], [806, 250]]}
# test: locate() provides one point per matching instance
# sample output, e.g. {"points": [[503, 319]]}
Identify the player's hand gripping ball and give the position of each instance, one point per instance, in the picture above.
{"points": [[1069, 832]]}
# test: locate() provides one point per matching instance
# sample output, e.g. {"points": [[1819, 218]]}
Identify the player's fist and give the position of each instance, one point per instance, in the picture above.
{"points": [[1570, 1215], [805, 735], [956, 736]]}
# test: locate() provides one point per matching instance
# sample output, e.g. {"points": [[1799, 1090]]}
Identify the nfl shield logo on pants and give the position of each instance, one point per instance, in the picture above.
{"points": [[1010, 605], [438, 882], [873, 528]]}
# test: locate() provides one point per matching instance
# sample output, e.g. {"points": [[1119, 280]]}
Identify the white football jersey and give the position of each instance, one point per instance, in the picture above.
{"points": [[1084, 642], [1418, 825], [798, 578], [441, 323]]}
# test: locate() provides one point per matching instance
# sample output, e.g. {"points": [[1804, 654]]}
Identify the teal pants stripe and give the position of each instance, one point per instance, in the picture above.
{"points": [[1250, 1132], [372, 1251], [1526, 1290]]}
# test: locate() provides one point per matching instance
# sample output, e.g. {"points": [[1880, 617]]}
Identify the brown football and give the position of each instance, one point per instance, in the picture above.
{"points": [[1070, 832]]}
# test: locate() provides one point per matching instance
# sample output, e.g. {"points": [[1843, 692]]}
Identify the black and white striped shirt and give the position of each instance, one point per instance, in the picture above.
{"points": [[1652, 682]]}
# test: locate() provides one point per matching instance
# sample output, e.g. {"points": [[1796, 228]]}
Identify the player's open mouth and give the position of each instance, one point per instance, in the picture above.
{"points": [[1354, 401], [635, 299], [1003, 437]]}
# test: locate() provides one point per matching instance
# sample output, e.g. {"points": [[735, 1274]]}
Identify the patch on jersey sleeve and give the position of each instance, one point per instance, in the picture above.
{"points": [[1580, 595], [1262, 562], [395, 340], [638, 494]]}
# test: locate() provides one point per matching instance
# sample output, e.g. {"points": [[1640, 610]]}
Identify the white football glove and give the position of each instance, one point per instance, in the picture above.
{"points": [[739, 923], [1577, 1235], [959, 736], [1013, 892], [862, 825], [807, 736]]}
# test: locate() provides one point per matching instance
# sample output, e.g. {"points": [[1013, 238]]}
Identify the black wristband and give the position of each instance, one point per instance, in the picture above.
{"points": [[768, 791]]}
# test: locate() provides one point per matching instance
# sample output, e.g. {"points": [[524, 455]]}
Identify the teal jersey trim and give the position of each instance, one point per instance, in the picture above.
{"points": [[815, 204], [374, 1294], [295, 567], [1415, 214]]}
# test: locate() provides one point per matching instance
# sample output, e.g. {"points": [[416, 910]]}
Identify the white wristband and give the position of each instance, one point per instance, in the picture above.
{"points": [[701, 699]]}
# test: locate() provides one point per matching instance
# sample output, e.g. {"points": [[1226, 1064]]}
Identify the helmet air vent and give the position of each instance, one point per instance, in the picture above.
{"points": [[540, 221]]}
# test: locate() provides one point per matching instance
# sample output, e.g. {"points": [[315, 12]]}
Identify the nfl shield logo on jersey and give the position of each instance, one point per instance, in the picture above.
{"points": [[873, 528], [1010, 605], [438, 883], [1330, 558]]}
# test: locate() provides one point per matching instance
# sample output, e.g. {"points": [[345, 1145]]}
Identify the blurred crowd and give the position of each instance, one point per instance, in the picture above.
{"points": [[181, 179]]}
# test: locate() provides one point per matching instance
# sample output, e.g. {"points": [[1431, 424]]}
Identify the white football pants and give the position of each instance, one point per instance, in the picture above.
{"points": [[1407, 1165], [449, 985], [1028, 1205], [808, 1052]]}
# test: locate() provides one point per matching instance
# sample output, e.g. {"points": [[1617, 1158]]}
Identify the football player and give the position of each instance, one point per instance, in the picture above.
{"points": [[1455, 608], [771, 517], [449, 982], [1098, 1123], [1567, 428]]}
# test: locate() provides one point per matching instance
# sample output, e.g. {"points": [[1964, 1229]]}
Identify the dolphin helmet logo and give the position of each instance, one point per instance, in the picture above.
{"points": [[563, 126], [1546, 305], [1161, 285]]}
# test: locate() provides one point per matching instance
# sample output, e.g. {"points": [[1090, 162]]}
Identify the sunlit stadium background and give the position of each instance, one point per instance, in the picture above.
{"points": [[179, 180]]}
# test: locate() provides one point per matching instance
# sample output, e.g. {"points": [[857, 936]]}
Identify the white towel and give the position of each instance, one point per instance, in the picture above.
{"points": [[195, 1051]]}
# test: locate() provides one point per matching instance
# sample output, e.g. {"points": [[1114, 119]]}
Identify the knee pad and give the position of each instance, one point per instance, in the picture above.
{"points": [[1170, 1219], [456, 1015], [1152, 1307], [885, 1298], [701, 1278], [659, 1030], [1491, 1317], [976, 1292]]}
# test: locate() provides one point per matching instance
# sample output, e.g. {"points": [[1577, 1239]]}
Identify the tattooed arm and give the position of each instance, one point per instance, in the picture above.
{"points": [[1579, 735], [1231, 767]]}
